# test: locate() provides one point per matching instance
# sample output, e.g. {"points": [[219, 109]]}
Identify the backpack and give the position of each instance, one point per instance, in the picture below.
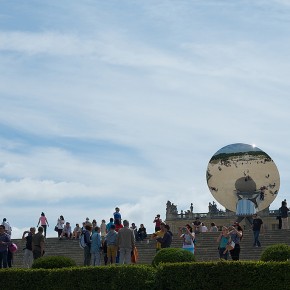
{"points": [[82, 241]]}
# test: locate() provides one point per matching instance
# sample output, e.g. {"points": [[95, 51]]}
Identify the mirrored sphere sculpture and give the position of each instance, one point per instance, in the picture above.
{"points": [[243, 178]]}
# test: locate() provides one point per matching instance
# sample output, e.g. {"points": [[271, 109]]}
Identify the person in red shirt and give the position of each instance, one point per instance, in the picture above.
{"points": [[157, 222], [118, 226]]}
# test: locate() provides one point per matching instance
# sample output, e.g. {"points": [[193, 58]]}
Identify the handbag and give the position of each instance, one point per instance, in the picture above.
{"points": [[56, 228], [134, 255], [13, 248]]}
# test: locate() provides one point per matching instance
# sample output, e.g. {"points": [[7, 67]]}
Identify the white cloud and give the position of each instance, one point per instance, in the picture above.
{"points": [[164, 89]]}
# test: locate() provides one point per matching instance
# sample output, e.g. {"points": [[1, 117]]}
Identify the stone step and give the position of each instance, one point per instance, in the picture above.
{"points": [[206, 247]]}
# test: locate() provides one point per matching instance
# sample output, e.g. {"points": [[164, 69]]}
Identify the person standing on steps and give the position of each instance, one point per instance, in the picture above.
{"points": [[257, 226], [60, 226], [283, 210], [111, 245], [8, 229], [28, 254], [96, 247], [108, 226], [117, 216], [43, 222], [188, 237], [126, 243], [236, 234], [4, 243], [157, 222], [223, 240], [103, 228], [166, 240], [87, 239], [159, 234], [38, 244]]}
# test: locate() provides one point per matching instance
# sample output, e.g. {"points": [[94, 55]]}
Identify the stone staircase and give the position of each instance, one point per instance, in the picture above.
{"points": [[206, 247]]}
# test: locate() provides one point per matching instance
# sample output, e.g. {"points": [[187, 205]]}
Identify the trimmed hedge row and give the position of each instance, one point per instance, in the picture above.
{"points": [[205, 275], [83, 278], [224, 275]]}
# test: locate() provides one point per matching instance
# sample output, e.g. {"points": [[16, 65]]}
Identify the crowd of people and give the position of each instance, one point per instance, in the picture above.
{"points": [[116, 239]]}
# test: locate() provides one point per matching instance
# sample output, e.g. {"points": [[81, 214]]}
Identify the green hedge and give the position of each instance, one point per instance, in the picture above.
{"points": [[172, 255], [83, 278], [224, 275], [199, 275]]}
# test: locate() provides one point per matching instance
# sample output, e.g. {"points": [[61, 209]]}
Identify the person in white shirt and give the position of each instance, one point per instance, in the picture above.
{"points": [[103, 229], [204, 228], [66, 232], [8, 229]]}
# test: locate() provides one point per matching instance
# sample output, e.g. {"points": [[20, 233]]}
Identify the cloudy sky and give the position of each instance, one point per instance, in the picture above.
{"points": [[123, 103]]}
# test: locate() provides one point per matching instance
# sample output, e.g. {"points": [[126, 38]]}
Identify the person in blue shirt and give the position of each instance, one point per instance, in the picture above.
{"points": [[223, 239], [108, 226], [117, 216], [96, 247]]}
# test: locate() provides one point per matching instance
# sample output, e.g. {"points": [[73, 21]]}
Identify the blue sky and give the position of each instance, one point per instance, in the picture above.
{"points": [[123, 103]]}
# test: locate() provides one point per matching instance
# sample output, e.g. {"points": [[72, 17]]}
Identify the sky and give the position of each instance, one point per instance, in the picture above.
{"points": [[123, 103]]}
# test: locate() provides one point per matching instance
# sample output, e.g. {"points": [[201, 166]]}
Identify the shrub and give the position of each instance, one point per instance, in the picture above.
{"points": [[172, 255], [278, 252], [52, 262]]}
